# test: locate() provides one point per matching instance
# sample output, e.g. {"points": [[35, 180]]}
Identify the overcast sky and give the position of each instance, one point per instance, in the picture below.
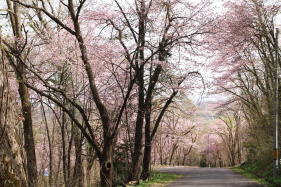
{"points": [[198, 96]]}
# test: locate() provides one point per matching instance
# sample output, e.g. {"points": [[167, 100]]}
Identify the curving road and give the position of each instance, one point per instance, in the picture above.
{"points": [[208, 177]]}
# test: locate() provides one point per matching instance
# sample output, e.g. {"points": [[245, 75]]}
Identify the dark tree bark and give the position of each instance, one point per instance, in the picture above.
{"points": [[136, 157], [150, 135], [78, 175], [64, 152], [29, 144], [50, 145]]}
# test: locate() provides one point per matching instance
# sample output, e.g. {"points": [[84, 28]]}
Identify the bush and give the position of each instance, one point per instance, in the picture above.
{"points": [[203, 163]]}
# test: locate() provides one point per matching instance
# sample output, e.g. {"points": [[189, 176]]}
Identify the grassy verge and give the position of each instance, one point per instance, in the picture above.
{"points": [[252, 176], [159, 179], [260, 171]]}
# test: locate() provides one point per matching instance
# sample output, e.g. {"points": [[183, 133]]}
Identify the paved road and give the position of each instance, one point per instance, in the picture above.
{"points": [[209, 177]]}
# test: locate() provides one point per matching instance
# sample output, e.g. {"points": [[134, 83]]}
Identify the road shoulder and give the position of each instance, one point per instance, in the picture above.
{"points": [[251, 176]]}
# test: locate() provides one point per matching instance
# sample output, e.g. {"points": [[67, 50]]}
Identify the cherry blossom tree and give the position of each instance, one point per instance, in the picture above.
{"points": [[108, 82], [109, 124], [247, 53]]}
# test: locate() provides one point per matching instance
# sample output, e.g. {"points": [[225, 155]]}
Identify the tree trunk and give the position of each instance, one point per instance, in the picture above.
{"points": [[147, 148], [78, 174], [11, 159], [183, 160], [29, 144], [106, 166], [50, 145], [160, 150], [64, 160], [90, 161], [136, 157], [146, 160], [175, 146]]}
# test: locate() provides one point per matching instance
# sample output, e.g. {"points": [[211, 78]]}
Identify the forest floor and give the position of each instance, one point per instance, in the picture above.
{"points": [[209, 177]]}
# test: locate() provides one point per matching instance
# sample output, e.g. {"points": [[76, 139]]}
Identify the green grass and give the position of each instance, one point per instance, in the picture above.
{"points": [[260, 171], [252, 176], [159, 179]]}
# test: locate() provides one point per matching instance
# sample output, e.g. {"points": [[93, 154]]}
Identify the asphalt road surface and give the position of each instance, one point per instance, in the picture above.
{"points": [[208, 177]]}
